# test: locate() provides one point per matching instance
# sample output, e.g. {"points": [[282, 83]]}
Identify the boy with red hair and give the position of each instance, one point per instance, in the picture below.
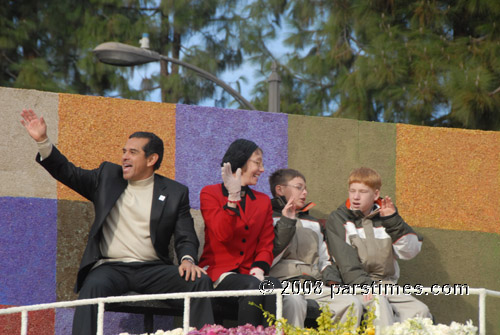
{"points": [[365, 236], [301, 253]]}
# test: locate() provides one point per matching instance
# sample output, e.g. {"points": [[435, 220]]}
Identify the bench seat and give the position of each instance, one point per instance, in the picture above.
{"points": [[222, 311]]}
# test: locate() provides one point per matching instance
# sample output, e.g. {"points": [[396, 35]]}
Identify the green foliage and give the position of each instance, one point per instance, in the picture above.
{"points": [[421, 62], [48, 44], [427, 62]]}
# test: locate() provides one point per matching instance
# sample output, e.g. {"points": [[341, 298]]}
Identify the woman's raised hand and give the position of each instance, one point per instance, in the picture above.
{"points": [[232, 182]]}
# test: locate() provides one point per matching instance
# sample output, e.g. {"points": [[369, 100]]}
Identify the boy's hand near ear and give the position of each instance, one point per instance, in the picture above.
{"points": [[289, 210], [387, 208]]}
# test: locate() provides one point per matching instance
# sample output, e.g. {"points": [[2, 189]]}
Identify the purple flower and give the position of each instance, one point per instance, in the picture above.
{"points": [[247, 329]]}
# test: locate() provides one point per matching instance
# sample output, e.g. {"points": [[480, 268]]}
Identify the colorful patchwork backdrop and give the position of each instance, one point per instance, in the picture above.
{"points": [[445, 182]]}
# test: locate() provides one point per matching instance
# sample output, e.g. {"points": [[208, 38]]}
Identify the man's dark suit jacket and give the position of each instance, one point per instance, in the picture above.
{"points": [[170, 212]]}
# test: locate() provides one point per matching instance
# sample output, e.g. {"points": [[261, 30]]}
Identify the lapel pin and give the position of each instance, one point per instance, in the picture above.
{"points": [[161, 198]]}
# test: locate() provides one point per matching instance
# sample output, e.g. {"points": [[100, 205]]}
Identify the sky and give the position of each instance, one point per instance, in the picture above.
{"points": [[230, 77], [249, 71]]}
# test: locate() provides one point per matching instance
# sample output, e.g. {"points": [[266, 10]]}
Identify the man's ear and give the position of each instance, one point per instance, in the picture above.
{"points": [[279, 190], [377, 194], [152, 159]]}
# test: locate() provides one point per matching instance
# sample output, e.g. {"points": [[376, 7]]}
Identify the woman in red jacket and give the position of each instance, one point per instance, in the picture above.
{"points": [[239, 232]]}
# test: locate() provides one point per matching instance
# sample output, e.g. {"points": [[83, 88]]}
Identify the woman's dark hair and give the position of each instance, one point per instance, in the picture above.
{"points": [[239, 152]]}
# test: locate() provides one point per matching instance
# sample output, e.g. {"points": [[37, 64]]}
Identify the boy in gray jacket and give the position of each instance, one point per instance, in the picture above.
{"points": [[300, 252], [365, 236]]}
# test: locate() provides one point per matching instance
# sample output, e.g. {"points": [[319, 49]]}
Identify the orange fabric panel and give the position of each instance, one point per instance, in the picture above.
{"points": [[448, 178], [94, 129]]}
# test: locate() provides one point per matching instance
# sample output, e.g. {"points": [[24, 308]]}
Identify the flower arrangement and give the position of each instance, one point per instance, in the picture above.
{"points": [[425, 326], [326, 326], [247, 329]]}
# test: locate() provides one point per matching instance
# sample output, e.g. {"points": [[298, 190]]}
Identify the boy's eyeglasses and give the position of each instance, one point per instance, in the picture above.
{"points": [[300, 188]]}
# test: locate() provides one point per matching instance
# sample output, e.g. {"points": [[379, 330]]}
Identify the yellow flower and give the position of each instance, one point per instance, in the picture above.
{"points": [[370, 331]]}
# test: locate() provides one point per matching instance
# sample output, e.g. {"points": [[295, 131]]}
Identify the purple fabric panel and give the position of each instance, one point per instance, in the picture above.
{"points": [[64, 321], [114, 323], [28, 242], [203, 135]]}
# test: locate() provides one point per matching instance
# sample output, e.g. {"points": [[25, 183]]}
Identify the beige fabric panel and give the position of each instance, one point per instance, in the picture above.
{"points": [[74, 219], [377, 150], [21, 176], [457, 257], [326, 150]]}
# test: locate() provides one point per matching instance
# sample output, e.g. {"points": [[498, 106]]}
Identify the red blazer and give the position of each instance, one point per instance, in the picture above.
{"points": [[232, 241]]}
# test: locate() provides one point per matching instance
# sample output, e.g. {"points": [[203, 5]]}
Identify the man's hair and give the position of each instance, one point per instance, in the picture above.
{"points": [[154, 145], [282, 177], [366, 176]]}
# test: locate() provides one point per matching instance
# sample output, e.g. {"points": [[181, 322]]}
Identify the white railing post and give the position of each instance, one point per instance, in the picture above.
{"points": [[24, 322], [100, 318], [376, 305], [279, 305], [482, 310], [187, 309]]}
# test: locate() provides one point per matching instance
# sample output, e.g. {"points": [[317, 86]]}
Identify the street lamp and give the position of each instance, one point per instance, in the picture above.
{"points": [[274, 90], [120, 54]]}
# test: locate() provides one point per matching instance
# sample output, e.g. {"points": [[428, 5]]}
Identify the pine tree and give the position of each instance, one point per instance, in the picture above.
{"points": [[212, 23], [47, 45], [421, 62]]}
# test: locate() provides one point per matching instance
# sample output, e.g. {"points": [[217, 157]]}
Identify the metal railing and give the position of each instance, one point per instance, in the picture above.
{"points": [[481, 292], [187, 296]]}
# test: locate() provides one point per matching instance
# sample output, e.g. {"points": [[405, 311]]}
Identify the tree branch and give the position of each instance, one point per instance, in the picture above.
{"points": [[7, 58], [13, 76], [141, 90], [495, 91], [358, 44]]}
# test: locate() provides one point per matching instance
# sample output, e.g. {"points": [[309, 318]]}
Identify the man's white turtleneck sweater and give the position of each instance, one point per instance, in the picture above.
{"points": [[125, 234]]}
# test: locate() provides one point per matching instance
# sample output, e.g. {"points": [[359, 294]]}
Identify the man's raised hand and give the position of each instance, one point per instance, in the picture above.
{"points": [[35, 126]]}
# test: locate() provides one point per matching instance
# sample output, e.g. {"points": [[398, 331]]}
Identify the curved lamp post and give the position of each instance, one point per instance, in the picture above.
{"points": [[120, 54]]}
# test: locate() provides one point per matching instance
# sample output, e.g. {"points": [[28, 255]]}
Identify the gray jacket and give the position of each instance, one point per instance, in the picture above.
{"points": [[300, 250], [365, 248]]}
